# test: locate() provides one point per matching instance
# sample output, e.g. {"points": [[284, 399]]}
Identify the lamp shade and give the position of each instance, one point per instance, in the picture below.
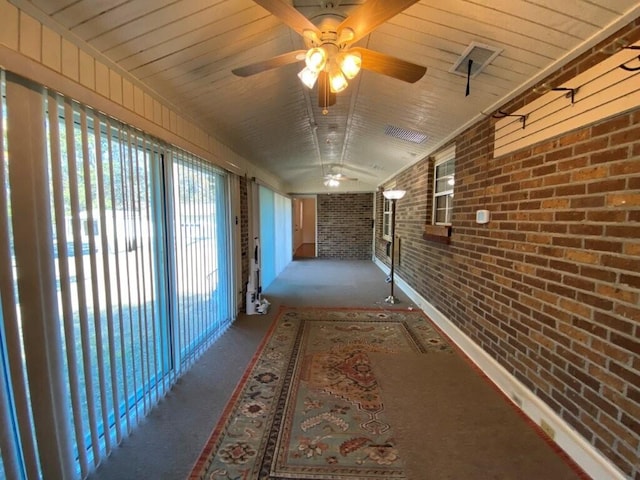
{"points": [[394, 194], [332, 182], [316, 58], [350, 63], [308, 77], [337, 80]]}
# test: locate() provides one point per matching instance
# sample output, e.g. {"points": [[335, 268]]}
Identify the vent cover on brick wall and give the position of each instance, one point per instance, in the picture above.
{"points": [[405, 134], [482, 55]]}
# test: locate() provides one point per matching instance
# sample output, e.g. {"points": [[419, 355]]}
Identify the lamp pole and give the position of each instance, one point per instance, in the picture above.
{"points": [[394, 196]]}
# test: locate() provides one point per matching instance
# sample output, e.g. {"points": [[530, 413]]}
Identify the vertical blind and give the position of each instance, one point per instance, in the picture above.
{"points": [[126, 244], [275, 233]]}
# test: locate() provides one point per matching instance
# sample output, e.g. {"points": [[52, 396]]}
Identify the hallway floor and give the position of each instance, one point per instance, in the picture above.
{"points": [[167, 443]]}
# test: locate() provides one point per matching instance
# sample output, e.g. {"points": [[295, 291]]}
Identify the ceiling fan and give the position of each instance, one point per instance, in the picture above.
{"points": [[332, 179], [330, 59]]}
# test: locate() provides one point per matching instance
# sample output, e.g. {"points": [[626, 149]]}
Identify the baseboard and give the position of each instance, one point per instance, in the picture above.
{"points": [[571, 442]]}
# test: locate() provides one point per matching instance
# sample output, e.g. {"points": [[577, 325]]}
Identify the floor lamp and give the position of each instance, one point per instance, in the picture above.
{"points": [[394, 196]]}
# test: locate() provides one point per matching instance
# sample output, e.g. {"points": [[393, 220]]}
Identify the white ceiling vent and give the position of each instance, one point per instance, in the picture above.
{"points": [[482, 55], [405, 134]]}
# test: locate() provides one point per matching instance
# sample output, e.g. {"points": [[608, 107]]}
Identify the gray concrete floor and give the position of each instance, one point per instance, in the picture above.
{"points": [[167, 443]]}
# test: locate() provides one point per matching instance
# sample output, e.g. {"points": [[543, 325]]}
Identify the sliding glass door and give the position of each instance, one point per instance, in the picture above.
{"points": [[114, 251], [202, 292]]}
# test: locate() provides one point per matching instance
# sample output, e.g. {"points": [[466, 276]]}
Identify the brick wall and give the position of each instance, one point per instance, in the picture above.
{"points": [[344, 226], [550, 288]]}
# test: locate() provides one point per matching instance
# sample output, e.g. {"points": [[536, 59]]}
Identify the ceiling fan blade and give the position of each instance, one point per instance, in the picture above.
{"points": [[264, 65], [390, 66], [339, 177], [371, 14], [326, 97], [289, 15]]}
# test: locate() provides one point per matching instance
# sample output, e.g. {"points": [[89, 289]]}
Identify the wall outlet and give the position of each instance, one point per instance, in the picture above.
{"points": [[546, 428]]}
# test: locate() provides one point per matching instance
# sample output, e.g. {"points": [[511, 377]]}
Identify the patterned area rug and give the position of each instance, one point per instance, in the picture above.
{"points": [[309, 406]]}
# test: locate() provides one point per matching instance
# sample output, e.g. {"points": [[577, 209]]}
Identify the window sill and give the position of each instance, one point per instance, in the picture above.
{"points": [[437, 233]]}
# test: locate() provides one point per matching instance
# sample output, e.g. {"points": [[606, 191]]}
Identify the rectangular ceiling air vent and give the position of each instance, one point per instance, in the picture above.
{"points": [[482, 55], [405, 134]]}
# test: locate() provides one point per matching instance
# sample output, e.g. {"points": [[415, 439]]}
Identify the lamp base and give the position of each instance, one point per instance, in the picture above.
{"points": [[391, 299]]}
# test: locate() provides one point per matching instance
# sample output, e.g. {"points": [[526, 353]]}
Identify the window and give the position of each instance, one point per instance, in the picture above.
{"points": [[387, 214], [133, 274], [444, 181]]}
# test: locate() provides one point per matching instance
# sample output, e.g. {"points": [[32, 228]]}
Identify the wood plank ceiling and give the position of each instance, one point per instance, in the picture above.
{"points": [[185, 50]]}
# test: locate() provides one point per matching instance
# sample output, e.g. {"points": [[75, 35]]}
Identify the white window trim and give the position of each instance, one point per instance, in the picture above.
{"points": [[386, 214], [440, 158]]}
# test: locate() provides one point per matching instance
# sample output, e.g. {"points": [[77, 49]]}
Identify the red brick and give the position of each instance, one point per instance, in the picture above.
{"points": [[616, 354], [582, 256], [591, 145], [611, 125], [630, 280], [602, 274], [603, 245], [623, 200], [344, 225], [626, 311], [632, 248], [626, 136], [591, 173], [572, 189], [573, 163], [608, 216], [571, 242], [609, 155], [594, 300], [625, 231], [617, 293], [575, 307], [559, 154], [629, 167], [615, 185], [579, 283], [555, 203], [586, 229], [542, 193], [543, 170], [593, 201]]}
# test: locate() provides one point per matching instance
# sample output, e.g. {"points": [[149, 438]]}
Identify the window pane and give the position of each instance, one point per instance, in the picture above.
{"points": [[386, 218], [106, 276], [443, 208], [443, 195], [201, 260], [445, 176]]}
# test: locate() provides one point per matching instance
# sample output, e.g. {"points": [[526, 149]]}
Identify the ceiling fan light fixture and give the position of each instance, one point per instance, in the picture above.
{"points": [[332, 182], [346, 35], [350, 63], [337, 80], [308, 77], [311, 36], [316, 59]]}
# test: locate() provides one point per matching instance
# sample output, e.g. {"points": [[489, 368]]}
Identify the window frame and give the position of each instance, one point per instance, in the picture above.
{"points": [[449, 155], [387, 214]]}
